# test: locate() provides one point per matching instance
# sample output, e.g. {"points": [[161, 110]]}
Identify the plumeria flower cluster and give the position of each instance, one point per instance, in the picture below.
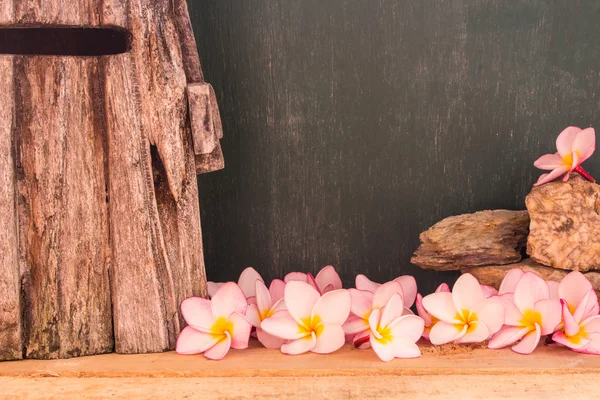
{"points": [[305, 313]]}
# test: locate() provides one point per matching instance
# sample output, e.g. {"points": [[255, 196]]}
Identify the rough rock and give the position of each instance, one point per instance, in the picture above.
{"points": [[493, 275], [471, 240], [565, 224]]}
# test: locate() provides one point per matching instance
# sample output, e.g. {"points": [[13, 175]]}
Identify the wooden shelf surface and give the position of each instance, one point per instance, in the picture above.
{"points": [[350, 373]]}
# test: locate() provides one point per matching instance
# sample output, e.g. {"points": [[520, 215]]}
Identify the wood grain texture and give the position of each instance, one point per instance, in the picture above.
{"points": [[354, 125], [154, 215], [11, 346], [257, 373], [64, 248]]}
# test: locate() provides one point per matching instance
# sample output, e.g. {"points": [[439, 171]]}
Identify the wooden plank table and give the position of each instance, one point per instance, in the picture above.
{"points": [[257, 373]]}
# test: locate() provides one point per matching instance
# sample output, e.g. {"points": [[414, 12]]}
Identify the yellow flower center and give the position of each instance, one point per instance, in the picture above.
{"points": [[530, 318], [568, 159], [266, 313], [221, 326], [576, 338], [383, 335], [311, 325], [434, 321], [466, 318]]}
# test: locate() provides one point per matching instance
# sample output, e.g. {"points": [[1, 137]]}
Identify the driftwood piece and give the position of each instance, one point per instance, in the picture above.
{"points": [[155, 220], [11, 347], [471, 240], [565, 224]]}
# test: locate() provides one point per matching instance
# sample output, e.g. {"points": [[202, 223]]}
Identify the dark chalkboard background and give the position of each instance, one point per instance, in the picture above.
{"points": [[353, 125]]}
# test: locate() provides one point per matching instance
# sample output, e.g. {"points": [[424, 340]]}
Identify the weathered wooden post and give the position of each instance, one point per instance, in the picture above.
{"points": [[100, 234]]}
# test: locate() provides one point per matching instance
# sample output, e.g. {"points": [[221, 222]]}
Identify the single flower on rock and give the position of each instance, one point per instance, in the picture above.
{"points": [[268, 302], [429, 320], [580, 330], [326, 280], [574, 146], [465, 315], [529, 316], [312, 322], [408, 283], [216, 325]]}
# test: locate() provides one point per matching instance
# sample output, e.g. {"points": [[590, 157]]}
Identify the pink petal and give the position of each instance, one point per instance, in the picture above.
{"points": [[279, 306], [219, 350], [333, 307], [384, 293], [197, 312], [277, 290], [299, 346], [573, 165], [328, 288], [421, 310], [253, 315], [573, 288], [374, 319], [296, 276], [550, 311], [488, 291], [491, 313], [560, 338], [328, 276], [530, 289], [213, 287], [268, 340], [361, 302], [409, 289], [441, 306], [282, 325], [466, 293], [263, 297], [477, 335], [408, 326], [529, 342], [507, 336], [553, 287], [566, 140], [571, 326], [247, 279], [241, 331], [392, 310], [300, 299], [592, 324], [549, 161], [251, 300], [384, 351], [229, 299], [312, 282], [399, 347], [355, 325], [443, 333], [330, 339], [545, 178], [364, 283], [361, 340], [585, 144], [588, 306], [443, 288], [593, 347], [512, 315], [509, 283], [191, 341]]}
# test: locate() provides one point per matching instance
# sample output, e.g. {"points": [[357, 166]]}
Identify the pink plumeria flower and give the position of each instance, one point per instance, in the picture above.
{"points": [[581, 328], [268, 302], [531, 315], [574, 146], [312, 322], [215, 325], [326, 280], [465, 315], [246, 282], [408, 283], [429, 320], [393, 335], [364, 303]]}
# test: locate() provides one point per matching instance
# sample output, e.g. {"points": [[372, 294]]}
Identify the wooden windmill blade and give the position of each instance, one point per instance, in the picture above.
{"points": [[101, 160]]}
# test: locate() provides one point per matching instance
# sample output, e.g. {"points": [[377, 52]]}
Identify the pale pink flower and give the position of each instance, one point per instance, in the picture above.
{"points": [[489, 291], [408, 283], [246, 282], [574, 146], [429, 320], [312, 322], [363, 304], [214, 326], [465, 315], [529, 316], [326, 280], [268, 302], [580, 330]]}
